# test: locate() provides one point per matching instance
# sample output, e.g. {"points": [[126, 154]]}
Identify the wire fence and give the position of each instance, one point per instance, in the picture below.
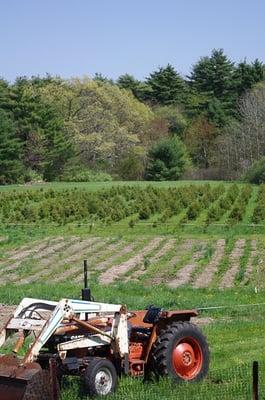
{"points": [[226, 384]]}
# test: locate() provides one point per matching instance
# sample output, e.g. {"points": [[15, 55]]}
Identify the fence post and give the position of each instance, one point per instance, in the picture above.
{"points": [[255, 380]]}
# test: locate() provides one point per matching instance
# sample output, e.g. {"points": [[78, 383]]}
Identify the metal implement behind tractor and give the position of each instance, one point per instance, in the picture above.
{"points": [[97, 341]]}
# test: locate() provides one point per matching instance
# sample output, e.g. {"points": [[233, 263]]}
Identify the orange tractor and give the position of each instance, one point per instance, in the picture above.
{"points": [[98, 342]]}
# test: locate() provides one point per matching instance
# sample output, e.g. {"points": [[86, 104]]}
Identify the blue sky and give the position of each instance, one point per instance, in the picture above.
{"points": [[81, 37]]}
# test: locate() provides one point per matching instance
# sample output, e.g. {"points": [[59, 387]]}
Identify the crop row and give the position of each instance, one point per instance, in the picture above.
{"points": [[259, 211], [119, 202]]}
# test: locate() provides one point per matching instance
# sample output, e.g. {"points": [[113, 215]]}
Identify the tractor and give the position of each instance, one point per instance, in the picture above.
{"points": [[98, 342]]}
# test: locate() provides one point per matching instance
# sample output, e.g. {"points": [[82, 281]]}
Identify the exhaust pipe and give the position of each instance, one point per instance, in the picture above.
{"points": [[86, 293]]}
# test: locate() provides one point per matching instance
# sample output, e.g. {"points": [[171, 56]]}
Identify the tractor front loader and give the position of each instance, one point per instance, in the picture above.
{"points": [[98, 342], [72, 328]]}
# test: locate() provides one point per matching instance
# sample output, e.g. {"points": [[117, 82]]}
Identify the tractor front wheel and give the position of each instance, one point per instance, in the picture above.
{"points": [[181, 352], [100, 377]]}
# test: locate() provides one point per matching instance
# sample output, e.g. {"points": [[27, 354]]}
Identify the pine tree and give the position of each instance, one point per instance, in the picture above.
{"points": [[140, 90], [26, 107], [247, 75], [40, 128], [5, 100], [167, 86], [167, 160], [10, 164], [213, 78]]}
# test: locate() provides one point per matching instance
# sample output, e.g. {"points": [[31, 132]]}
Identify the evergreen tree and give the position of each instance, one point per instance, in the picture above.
{"points": [[247, 75], [128, 82], [10, 146], [140, 90], [213, 78], [167, 86], [167, 160], [26, 108], [98, 77], [58, 147], [5, 99], [39, 127]]}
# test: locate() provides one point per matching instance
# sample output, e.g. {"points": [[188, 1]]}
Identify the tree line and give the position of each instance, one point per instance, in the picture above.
{"points": [[210, 124]]}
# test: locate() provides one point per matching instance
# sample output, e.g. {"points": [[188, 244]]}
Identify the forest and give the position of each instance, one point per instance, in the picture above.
{"points": [[207, 125]]}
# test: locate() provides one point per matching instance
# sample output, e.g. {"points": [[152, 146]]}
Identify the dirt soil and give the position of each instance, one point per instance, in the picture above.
{"points": [[50, 265], [5, 313], [249, 267], [153, 260], [206, 277], [117, 270], [184, 274], [234, 259]]}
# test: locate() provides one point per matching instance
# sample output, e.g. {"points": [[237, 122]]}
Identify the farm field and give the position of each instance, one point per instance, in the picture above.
{"points": [[179, 246], [93, 186], [149, 260]]}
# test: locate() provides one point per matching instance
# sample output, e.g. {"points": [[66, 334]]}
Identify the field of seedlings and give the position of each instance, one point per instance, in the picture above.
{"points": [[202, 205], [183, 245]]}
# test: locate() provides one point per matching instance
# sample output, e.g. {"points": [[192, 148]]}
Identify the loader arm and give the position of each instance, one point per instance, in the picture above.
{"points": [[21, 377], [68, 309]]}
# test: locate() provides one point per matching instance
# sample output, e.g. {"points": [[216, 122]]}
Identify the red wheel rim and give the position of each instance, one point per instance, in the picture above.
{"points": [[187, 358]]}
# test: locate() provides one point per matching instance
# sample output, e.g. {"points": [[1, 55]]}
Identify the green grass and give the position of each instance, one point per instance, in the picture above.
{"points": [[243, 262], [93, 186]]}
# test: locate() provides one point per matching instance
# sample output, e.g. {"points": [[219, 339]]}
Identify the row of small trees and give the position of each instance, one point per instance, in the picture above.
{"points": [[120, 202], [259, 211]]}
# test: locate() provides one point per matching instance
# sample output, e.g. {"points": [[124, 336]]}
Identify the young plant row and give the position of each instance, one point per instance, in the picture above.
{"points": [[223, 205], [109, 205], [259, 211], [239, 208]]}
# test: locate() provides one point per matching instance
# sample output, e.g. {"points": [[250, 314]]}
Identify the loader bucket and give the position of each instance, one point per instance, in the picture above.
{"points": [[23, 382]]}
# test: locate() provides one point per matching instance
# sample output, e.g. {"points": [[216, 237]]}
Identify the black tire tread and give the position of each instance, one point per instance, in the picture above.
{"points": [[159, 355], [92, 368]]}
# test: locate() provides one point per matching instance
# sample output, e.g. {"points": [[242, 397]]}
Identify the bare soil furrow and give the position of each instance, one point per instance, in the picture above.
{"points": [[20, 255], [44, 252], [118, 270], [249, 267], [122, 252], [229, 276], [183, 248], [153, 260], [76, 272], [50, 267], [206, 277], [184, 274], [72, 249], [14, 252], [116, 252]]}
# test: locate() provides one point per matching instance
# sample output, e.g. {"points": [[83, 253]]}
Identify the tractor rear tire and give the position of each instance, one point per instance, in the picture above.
{"points": [[100, 377], [181, 352]]}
